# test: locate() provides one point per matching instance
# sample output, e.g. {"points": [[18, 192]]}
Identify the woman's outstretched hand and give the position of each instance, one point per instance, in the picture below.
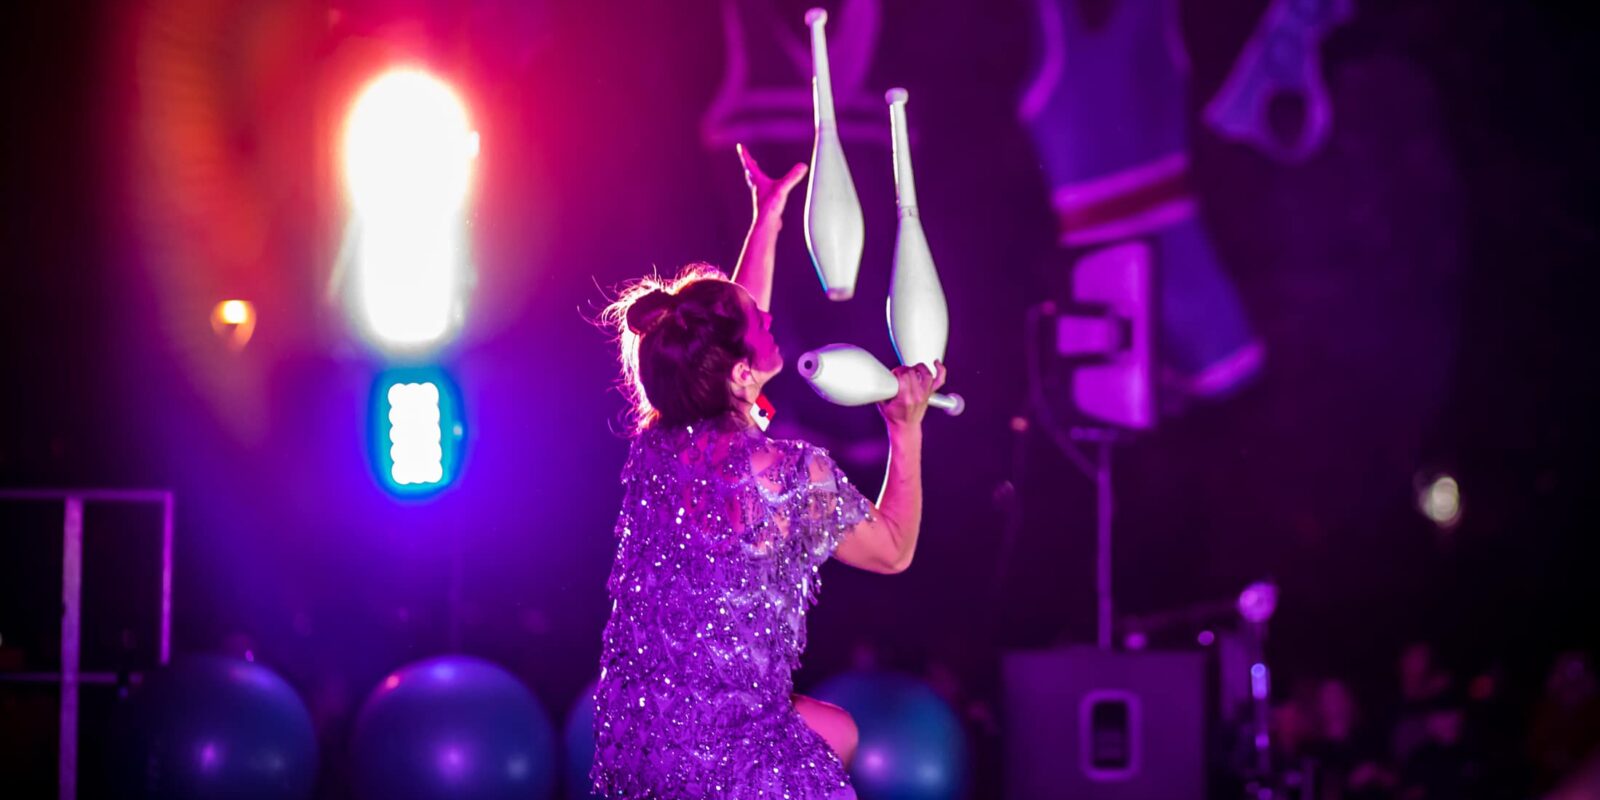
{"points": [[907, 408], [770, 196]]}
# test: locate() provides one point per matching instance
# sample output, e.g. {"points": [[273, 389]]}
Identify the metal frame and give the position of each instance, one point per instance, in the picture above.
{"points": [[1097, 469], [72, 613]]}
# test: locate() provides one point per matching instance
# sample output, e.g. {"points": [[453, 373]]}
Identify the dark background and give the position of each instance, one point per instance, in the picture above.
{"points": [[1423, 287]]}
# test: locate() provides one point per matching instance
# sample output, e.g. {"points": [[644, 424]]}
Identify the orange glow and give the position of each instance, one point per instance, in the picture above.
{"points": [[235, 322], [234, 312]]}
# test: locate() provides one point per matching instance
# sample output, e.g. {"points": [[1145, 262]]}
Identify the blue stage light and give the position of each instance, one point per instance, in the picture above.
{"points": [[417, 431]]}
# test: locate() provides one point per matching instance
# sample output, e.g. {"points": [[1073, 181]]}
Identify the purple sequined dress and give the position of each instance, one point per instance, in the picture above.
{"points": [[716, 566]]}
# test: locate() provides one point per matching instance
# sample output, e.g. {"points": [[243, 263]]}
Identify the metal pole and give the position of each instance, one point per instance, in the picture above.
{"points": [[70, 676], [71, 646], [455, 589], [1260, 694], [1102, 485], [166, 578]]}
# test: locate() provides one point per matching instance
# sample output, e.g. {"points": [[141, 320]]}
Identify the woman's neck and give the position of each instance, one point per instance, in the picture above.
{"points": [[742, 411]]}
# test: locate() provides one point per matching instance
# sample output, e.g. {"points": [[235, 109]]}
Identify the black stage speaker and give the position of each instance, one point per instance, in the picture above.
{"points": [[1085, 724]]}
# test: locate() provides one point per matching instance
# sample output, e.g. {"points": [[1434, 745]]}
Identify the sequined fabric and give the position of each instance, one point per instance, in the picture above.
{"points": [[719, 541]]}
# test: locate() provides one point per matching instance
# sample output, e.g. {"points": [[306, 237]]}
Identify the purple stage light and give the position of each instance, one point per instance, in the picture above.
{"points": [[1258, 601], [1260, 681]]}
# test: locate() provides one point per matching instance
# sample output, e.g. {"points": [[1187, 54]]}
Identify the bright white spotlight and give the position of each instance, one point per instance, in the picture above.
{"points": [[408, 153], [1440, 501]]}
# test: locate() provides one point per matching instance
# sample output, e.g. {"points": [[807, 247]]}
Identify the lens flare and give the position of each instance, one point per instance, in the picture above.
{"points": [[1440, 501]]}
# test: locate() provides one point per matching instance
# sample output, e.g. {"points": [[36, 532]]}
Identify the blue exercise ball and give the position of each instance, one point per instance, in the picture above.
{"points": [[209, 726], [456, 727], [579, 739], [912, 746]]}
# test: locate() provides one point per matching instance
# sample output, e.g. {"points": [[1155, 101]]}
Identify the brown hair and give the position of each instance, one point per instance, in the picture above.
{"points": [[679, 340]]}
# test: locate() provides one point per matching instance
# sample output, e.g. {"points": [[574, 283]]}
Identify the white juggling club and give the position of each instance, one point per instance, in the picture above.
{"points": [[835, 230], [849, 376], [919, 320]]}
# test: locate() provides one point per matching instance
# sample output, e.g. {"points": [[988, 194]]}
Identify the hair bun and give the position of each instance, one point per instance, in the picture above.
{"points": [[649, 310]]}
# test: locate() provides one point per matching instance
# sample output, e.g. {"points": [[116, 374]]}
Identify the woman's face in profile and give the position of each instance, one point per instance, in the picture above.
{"points": [[766, 359]]}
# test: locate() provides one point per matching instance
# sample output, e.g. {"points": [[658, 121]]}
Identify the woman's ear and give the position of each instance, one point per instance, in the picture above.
{"points": [[743, 375]]}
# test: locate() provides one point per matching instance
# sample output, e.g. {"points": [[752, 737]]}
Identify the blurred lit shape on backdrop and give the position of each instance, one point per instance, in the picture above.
{"points": [[417, 431], [234, 321], [408, 154], [1104, 335]]}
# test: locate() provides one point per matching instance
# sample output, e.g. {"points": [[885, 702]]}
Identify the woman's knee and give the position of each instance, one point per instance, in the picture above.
{"points": [[849, 735], [832, 723]]}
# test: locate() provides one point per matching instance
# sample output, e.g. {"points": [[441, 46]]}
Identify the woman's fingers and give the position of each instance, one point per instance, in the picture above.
{"points": [[915, 387], [752, 170], [916, 383], [792, 179], [906, 391], [925, 378], [907, 380]]}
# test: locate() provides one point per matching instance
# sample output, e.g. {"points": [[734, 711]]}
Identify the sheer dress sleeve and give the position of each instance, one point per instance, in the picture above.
{"points": [[832, 505]]}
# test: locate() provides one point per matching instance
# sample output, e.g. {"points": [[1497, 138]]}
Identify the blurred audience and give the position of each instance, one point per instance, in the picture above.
{"points": [[1348, 751], [1444, 765], [1422, 681], [1445, 738], [1564, 731]]}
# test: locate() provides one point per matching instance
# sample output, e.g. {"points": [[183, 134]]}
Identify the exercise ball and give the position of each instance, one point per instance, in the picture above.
{"points": [[209, 726], [912, 746], [579, 738], [456, 727]]}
